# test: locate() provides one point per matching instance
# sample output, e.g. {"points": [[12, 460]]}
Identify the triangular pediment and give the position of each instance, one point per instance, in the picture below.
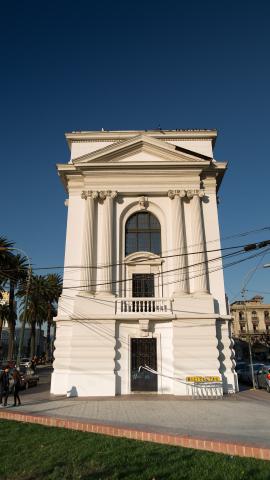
{"points": [[141, 149]]}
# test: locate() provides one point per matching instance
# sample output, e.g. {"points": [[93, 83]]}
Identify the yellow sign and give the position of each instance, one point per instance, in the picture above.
{"points": [[5, 298], [201, 379]]}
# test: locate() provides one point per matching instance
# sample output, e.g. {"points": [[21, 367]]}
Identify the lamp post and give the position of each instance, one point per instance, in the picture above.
{"points": [[249, 342], [29, 274], [243, 291]]}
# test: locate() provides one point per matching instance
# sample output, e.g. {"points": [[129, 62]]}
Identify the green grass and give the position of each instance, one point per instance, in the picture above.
{"points": [[34, 452]]}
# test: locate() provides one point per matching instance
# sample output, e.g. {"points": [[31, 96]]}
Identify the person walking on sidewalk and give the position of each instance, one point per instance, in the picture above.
{"points": [[4, 386], [17, 385]]}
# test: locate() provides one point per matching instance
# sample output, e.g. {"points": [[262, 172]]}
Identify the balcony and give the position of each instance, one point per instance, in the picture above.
{"points": [[144, 305]]}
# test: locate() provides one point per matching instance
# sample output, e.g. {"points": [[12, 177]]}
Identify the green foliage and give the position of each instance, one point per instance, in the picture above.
{"points": [[33, 452], [44, 292]]}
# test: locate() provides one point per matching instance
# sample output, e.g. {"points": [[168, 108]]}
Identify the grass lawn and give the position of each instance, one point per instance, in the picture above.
{"points": [[34, 452]]}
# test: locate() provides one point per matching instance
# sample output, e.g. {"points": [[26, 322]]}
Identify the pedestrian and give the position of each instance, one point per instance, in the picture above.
{"points": [[4, 386], [17, 385]]}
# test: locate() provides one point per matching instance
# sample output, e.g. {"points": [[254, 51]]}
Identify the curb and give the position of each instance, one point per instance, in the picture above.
{"points": [[229, 448]]}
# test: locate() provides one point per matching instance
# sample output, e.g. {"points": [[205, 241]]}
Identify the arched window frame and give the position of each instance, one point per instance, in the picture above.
{"points": [[241, 316], [254, 315], [145, 229]]}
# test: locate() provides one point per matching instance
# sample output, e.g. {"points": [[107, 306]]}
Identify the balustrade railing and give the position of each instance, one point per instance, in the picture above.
{"points": [[144, 305]]}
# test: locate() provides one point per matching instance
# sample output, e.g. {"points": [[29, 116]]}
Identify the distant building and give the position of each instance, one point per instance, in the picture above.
{"points": [[251, 319], [40, 341]]}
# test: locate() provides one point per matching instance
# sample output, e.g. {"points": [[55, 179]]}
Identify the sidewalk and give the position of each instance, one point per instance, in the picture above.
{"points": [[237, 425]]}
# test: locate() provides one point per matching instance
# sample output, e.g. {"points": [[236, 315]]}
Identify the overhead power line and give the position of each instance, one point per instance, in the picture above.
{"points": [[122, 281]]}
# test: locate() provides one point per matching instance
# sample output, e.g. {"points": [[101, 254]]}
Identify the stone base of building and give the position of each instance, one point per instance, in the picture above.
{"points": [[102, 357]]}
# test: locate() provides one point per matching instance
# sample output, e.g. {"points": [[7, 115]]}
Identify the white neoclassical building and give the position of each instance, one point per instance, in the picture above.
{"points": [[143, 278]]}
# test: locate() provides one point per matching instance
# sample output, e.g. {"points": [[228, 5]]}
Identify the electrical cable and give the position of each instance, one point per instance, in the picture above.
{"points": [[241, 234]]}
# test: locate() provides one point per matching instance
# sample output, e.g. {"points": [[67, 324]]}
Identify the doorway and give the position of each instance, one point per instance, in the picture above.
{"points": [[143, 285], [143, 352]]}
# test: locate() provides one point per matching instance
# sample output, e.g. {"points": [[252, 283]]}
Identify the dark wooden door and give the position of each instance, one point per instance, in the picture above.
{"points": [[143, 352]]}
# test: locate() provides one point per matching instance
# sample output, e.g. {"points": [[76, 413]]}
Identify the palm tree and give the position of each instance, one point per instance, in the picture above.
{"points": [[55, 284], [36, 312], [5, 256], [5, 259], [4, 312], [16, 273]]}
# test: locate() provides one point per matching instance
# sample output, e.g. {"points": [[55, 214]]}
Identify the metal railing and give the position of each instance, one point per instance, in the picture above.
{"points": [[144, 305]]}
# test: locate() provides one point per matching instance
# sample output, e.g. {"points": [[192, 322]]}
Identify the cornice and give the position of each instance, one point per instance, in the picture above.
{"points": [[126, 134]]}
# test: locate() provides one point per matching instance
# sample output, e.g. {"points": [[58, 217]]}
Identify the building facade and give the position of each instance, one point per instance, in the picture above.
{"points": [[251, 322], [143, 280]]}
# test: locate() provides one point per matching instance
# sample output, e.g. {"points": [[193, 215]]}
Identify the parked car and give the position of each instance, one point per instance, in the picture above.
{"points": [[245, 374], [28, 377], [263, 377], [240, 365], [25, 361]]}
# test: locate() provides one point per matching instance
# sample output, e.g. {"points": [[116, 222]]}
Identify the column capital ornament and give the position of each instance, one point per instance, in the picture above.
{"points": [[194, 193], [103, 194], [89, 194], [176, 193]]}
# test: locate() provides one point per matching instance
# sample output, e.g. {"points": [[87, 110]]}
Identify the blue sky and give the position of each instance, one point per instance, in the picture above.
{"points": [[132, 65]]}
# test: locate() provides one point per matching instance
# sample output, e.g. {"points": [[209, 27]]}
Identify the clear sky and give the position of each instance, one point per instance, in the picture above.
{"points": [[133, 65]]}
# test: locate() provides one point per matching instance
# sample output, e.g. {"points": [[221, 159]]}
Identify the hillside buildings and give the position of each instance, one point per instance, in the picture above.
{"points": [[143, 279]]}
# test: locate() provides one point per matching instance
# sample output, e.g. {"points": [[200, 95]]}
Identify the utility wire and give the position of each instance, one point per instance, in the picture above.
{"points": [[113, 282], [241, 234], [150, 257]]}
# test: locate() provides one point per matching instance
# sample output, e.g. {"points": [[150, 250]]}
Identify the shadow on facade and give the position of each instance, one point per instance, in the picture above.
{"points": [[117, 367], [227, 386]]}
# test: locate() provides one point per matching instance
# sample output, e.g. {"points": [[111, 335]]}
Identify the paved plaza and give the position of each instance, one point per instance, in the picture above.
{"points": [[240, 418]]}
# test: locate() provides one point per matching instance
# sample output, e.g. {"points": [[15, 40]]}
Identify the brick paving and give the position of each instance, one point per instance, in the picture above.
{"points": [[236, 425]]}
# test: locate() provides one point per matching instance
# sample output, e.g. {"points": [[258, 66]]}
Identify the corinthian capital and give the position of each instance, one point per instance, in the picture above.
{"points": [[200, 193], [190, 194], [107, 193], [176, 193], [197, 193], [89, 194], [171, 194]]}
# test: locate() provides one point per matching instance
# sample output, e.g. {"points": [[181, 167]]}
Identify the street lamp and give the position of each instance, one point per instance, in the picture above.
{"points": [[29, 273], [249, 342], [243, 291]]}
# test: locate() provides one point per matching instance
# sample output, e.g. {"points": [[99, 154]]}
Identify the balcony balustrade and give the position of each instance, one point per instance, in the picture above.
{"points": [[144, 305]]}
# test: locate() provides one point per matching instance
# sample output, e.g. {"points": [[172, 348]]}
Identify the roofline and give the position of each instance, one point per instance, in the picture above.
{"points": [[110, 135]]}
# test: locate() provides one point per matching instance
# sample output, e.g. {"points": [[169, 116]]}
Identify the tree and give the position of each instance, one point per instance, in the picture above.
{"points": [[4, 312], [55, 284], [16, 274], [5, 256], [37, 306]]}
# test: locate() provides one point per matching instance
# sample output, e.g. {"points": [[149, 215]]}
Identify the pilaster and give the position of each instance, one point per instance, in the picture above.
{"points": [[199, 256], [179, 243], [105, 243], [88, 253]]}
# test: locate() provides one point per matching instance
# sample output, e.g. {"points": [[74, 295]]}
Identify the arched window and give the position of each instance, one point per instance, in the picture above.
{"points": [[254, 316], [241, 316], [143, 234]]}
